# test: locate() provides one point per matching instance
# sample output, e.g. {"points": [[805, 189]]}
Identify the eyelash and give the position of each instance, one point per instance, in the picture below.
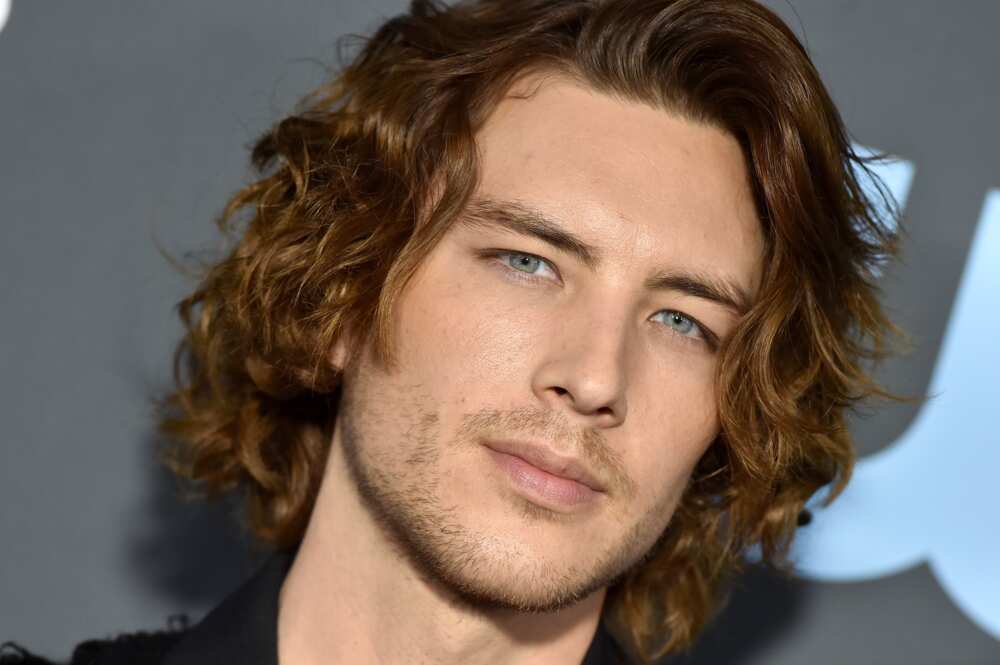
{"points": [[706, 337]]}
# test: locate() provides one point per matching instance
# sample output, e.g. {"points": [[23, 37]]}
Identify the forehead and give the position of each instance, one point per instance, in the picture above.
{"points": [[624, 175]]}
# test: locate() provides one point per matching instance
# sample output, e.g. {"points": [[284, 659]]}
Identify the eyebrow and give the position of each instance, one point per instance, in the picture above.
{"points": [[524, 220]]}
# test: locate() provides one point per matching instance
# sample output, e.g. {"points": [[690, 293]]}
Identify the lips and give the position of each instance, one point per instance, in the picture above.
{"points": [[542, 457]]}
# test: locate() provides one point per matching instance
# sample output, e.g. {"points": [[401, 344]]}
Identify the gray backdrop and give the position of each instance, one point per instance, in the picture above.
{"points": [[123, 127]]}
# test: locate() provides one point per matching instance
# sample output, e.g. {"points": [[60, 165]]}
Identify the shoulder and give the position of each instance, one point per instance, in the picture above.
{"points": [[142, 648]]}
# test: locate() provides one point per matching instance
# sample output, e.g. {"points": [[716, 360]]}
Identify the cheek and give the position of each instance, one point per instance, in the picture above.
{"points": [[675, 396], [672, 430], [460, 337]]}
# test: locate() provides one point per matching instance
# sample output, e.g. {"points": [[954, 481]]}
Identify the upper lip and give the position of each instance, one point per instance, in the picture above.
{"points": [[548, 460]]}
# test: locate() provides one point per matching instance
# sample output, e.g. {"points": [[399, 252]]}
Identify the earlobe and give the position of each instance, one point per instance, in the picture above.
{"points": [[338, 357], [345, 350]]}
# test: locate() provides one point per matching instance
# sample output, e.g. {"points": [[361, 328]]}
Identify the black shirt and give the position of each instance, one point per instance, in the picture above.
{"points": [[242, 630]]}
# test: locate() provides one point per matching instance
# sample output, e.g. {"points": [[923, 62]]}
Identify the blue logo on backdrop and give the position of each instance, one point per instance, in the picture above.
{"points": [[930, 496]]}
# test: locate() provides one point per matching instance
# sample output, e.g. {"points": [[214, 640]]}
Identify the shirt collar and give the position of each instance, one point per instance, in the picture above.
{"points": [[243, 628]]}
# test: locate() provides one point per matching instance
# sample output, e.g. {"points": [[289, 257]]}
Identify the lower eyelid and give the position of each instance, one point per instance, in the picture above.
{"points": [[703, 336]]}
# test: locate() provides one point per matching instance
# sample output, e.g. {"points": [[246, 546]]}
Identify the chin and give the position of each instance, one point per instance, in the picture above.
{"points": [[534, 588]]}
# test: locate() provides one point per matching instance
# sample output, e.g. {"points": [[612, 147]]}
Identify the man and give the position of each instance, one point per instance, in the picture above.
{"points": [[543, 314]]}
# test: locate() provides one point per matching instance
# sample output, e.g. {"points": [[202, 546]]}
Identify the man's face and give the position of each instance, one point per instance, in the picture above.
{"points": [[584, 344]]}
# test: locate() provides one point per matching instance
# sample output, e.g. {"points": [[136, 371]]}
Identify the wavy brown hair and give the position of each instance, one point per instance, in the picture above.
{"points": [[358, 185]]}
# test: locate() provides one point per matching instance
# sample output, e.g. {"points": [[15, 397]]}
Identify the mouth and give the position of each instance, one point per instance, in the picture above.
{"points": [[558, 482]]}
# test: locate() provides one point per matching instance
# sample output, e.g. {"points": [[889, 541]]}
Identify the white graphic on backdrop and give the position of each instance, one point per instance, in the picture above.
{"points": [[4, 12], [895, 174], [930, 496]]}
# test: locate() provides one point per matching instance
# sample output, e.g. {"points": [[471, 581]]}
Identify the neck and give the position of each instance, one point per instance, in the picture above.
{"points": [[351, 596]]}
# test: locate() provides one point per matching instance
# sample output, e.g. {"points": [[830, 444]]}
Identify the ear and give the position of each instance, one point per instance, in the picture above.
{"points": [[345, 349], [339, 355]]}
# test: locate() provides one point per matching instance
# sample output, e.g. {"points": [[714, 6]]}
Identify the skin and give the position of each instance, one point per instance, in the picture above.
{"points": [[421, 549]]}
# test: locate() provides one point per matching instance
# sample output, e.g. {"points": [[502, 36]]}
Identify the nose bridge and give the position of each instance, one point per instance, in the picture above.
{"points": [[586, 362]]}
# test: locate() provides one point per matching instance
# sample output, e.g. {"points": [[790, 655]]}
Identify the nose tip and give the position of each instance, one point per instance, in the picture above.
{"points": [[582, 367], [594, 402]]}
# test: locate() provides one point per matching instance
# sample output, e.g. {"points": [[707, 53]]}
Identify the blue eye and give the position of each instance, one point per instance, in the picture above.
{"points": [[523, 265], [679, 323], [523, 262], [534, 269]]}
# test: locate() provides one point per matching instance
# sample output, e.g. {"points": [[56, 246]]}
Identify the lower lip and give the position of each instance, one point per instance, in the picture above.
{"points": [[543, 487]]}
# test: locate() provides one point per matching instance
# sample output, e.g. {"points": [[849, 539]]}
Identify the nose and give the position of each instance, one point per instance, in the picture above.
{"points": [[583, 368]]}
